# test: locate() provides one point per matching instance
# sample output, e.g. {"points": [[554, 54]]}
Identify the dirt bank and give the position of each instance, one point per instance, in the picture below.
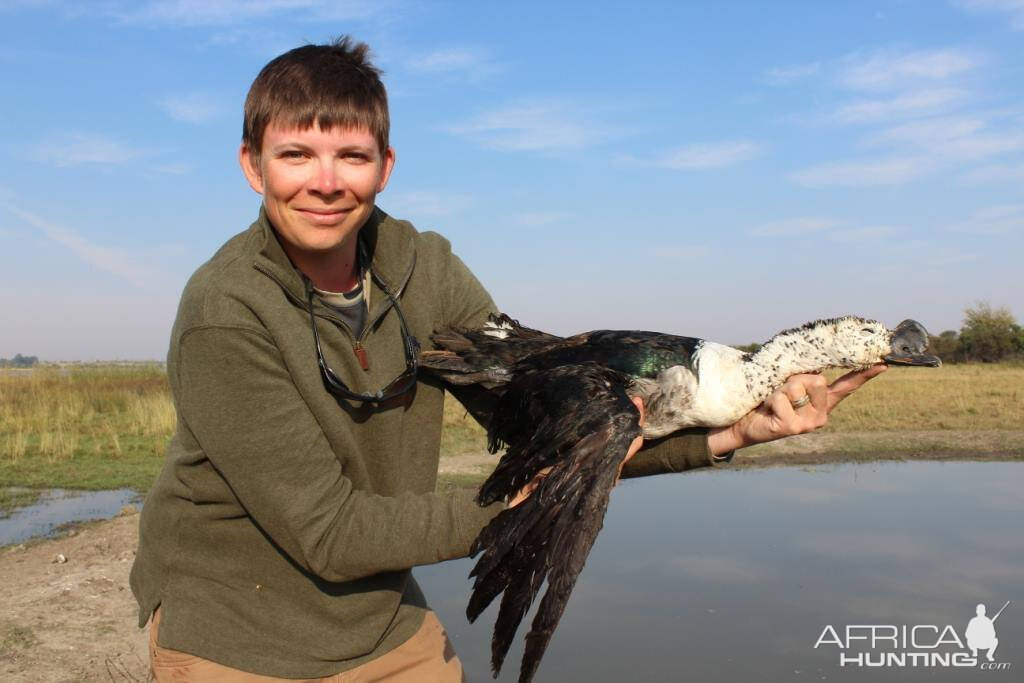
{"points": [[72, 620]]}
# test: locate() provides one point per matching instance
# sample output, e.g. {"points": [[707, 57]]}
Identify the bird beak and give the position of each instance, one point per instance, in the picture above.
{"points": [[909, 342]]}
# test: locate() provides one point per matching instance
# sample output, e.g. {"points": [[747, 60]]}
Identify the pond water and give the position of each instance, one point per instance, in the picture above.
{"points": [[736, 575], [60, 506]]}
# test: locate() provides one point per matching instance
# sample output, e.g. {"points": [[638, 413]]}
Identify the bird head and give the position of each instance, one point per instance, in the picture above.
{"points": [[860, 342]]}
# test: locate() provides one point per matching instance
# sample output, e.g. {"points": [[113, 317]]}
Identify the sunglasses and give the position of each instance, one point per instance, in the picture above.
{"points": [[396, 387]]}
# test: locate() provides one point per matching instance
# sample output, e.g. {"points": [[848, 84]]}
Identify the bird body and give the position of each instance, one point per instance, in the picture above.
{"points": [[562, 405]]}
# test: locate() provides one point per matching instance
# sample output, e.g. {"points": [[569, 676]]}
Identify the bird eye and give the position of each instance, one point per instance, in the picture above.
{"points": [[867, 330]]}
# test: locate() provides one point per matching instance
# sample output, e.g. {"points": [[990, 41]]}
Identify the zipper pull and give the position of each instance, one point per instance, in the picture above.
{"points": [[364, 360]]}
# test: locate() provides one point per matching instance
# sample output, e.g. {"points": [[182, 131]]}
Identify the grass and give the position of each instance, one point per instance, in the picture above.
{"points": [[108, 426], [461, 434], [15, 637], [953, 397], [89, 428]]}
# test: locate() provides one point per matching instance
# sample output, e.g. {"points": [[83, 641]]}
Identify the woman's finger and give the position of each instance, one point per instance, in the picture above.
{"points": [[785, 415], [850, 382], [817, 389]]}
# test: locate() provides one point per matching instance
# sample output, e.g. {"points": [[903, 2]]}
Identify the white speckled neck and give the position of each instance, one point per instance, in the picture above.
{"points": [[787, 354]]}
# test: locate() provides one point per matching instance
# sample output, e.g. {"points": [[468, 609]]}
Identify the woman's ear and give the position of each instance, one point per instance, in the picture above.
{"points": [[250, 164]]}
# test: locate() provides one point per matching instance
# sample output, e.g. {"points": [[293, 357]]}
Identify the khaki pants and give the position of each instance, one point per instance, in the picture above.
{"points": [[427, 656]]}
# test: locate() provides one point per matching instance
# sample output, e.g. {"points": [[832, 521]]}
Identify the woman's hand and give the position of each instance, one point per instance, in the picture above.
{"points": [[787, 412], [634, 447]]}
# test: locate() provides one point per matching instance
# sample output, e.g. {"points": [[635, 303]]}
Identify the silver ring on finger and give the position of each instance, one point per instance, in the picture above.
{"points": [[802, 401]]}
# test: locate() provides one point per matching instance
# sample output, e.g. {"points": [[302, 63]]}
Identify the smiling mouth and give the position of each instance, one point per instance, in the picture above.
{"points": [[327, 216], [324, 212]]}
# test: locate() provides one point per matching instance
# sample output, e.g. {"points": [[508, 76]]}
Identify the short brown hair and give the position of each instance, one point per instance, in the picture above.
{"points": [[330, 85]]}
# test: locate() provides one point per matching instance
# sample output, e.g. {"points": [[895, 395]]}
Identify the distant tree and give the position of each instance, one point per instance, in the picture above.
{"points": [[19, 361], [989, 334], [946, 346], [749, 348]]}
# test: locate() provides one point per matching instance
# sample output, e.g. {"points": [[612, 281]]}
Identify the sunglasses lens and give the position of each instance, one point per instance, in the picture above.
{"points": [[401, 384]]}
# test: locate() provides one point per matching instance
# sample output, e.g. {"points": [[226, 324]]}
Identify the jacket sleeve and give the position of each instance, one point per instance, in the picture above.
{"points": [[467, 303], [241, 404], [684, 450]]}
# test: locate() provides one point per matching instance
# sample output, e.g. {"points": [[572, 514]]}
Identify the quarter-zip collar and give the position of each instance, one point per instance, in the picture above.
{"points": [[390, 254]]}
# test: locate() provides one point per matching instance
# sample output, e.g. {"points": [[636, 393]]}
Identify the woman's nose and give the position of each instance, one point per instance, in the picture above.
{"points": [[328, 179]]}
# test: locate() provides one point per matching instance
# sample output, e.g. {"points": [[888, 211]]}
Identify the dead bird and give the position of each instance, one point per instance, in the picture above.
{"points": [[564, 403]]}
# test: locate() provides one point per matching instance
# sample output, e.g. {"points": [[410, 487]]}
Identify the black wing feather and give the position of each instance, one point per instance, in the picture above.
{"points": [[578, 420]]}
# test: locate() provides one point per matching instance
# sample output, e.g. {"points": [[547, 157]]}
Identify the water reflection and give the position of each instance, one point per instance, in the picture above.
{"points": [[733, 575], [59, 506]]}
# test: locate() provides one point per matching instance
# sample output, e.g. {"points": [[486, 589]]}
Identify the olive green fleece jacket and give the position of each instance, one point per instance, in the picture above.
{"points": [[279, 537]]}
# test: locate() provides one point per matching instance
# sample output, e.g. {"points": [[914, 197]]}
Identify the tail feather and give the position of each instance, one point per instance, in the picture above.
{"points": [[499, 344], [477, 365]]}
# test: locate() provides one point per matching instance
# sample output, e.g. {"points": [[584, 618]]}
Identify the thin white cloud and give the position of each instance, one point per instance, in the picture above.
{"points": [[885, 69], [943, 257], [784, 75], [533, 126], [793, 226], [234, 12], [956, 138], [928, 132], [420, 203], [891, 69], [78, 149], [993, 220], [927, 254], [864, 173], [449, 59], [688, 254], [540, 218], [1013, 8], [7, 5], [995, 173], [914, 103], [710, 155], [174, 168], [834, 230], [469, 63], [139, 267], [980, 147], [263, 41], [195, 107], [864, 234]]}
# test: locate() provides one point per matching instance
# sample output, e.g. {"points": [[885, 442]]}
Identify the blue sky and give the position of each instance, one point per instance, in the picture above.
{"points": [[721, 170]]}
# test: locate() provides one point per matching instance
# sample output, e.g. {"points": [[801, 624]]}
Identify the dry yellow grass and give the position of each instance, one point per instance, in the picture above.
{"points": [[56, 414], [109, 426], [953, 397], [461, 434]]}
